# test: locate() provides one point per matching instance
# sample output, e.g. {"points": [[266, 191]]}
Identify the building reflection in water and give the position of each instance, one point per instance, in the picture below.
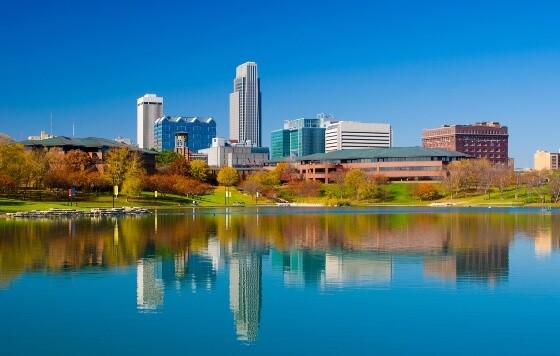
{"points": [[245, 288], [149, 283]]}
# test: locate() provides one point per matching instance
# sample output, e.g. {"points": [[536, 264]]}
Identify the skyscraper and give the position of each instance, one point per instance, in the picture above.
{"points": [[149, 109], [245, 105]]}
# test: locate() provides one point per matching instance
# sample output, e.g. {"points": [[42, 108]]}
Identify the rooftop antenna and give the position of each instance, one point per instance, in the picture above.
{"points": [[51, 125], [73, 131]]}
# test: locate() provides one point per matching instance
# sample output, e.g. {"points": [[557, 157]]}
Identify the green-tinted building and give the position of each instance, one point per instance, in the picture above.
{"points": [[300, 137]]}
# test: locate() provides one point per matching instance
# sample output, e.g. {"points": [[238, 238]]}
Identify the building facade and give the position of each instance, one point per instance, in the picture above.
{"points": [[396, 163], [148, 109], [343, 135], [238, 155], [545, 160], [200, 132], [300, 137], [482, 140], [245, 105]]}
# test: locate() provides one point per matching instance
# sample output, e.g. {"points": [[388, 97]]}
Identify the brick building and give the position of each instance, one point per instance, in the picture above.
{"points": [[482, 140]]}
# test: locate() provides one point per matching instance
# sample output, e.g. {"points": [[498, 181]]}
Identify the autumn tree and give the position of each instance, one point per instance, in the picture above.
{"points": [[200, 170], [554, 185], [305, 188], [227, 176], [133, 178], [354, 179], [180, 167], [426, 191], [116, 164]]}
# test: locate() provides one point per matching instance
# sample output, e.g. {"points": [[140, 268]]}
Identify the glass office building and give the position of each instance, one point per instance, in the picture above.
{"points": [[300, 137], [200, 132]]}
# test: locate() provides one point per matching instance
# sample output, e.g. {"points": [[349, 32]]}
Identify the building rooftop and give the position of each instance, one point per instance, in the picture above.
{"points": [[186, 119], [86, 142], [382, 152]]}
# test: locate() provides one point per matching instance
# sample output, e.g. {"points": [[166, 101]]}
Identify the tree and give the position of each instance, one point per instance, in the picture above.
{"points": [[305, 188], [353, 180], [554, 185], [166, 157], [116, 164], [426, 191], [200, 170], [132, 183], [179, 166], [78, 161], [252, 184], [227, 176]]}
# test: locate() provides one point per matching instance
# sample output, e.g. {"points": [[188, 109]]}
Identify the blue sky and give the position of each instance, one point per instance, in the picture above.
{"points": [[413, 64]]}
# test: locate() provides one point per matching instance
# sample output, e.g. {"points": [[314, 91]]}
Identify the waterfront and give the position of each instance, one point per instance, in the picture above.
{"points": [[277, 280]]}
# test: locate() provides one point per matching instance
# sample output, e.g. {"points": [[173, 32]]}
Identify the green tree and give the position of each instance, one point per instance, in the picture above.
{"points": [[165, 157], [200, 170]]}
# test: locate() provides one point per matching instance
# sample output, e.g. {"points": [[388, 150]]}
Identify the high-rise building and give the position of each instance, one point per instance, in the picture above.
{"points": [[149, 109], [482, 140], [546, 160], [245, 105], [344, 135], [300, 137], [200, 131]]}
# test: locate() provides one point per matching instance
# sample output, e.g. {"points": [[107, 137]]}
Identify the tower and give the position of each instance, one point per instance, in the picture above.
{"points": [[149, 109], [245, 105]]}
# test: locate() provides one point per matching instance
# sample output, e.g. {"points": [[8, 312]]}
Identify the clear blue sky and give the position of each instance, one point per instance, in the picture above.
{"points": [[413, 64]]}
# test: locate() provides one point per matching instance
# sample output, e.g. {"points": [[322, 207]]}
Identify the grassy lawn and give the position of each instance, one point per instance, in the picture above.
{"points": [[146, 200]]}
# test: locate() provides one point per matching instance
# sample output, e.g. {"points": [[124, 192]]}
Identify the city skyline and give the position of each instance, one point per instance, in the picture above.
{"points": [[413, 65]]}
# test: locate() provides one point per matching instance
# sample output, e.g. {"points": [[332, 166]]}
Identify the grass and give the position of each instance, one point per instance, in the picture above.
{"points": [[399, 194], [147, 200]]}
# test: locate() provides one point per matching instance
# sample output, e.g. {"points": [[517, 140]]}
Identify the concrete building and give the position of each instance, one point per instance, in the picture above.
{"points": [[482, 140], [245, 105], [300, 137], [149, 109], [42, 136], [546, 160], [200, 131], [343, 135], [396, 163], [238, 155]]}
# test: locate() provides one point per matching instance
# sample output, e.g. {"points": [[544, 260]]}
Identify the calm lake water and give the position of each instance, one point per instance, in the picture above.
{"points": [[283, 281]]}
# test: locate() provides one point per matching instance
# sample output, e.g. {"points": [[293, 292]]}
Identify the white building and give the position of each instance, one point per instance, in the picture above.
{"points": [[353, 134], [224, 153], [42, 136], [245, 105], [149, 108]]}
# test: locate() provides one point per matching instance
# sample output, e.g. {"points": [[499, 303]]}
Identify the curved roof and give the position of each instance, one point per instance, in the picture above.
{"points": [[185, 119]]}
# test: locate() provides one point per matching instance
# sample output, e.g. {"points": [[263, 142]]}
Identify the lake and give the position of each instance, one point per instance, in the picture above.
{"points": [[283, 280]]}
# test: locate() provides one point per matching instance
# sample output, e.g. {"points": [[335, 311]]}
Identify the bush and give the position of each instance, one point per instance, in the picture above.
{"points": [[426, 191]]}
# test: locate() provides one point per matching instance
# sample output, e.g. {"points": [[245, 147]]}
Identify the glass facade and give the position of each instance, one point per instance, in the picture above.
{"points": [[297, 142], [200, 132]]}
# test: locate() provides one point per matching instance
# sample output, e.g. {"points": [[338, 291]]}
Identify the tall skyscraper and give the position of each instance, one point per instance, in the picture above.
{"points": [[245, 105], [149, 109]]}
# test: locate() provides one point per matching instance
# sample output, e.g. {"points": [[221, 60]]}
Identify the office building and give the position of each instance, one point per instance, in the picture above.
{"points": [[234, 154], [396, 163], [344, 135], [545, 160], [200, 132], [482, 140], [245, 105], [149, 109], [300, 137]]}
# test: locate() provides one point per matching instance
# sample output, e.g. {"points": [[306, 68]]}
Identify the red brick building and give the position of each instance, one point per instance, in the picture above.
{"points": [[482, 140]]}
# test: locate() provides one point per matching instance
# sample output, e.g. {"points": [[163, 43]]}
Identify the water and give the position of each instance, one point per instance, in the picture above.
{"points": [[283, 281]]}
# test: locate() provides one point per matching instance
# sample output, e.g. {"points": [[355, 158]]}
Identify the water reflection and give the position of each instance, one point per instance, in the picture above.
{"points": [[323, 251]]}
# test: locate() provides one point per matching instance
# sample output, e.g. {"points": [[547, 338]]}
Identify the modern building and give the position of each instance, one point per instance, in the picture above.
{"points": [[149, 109], [396, 163], [344, 135], [300, 137], [238, 155], [245, 105], [545, 160], [200, 131], [482, 140]]}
